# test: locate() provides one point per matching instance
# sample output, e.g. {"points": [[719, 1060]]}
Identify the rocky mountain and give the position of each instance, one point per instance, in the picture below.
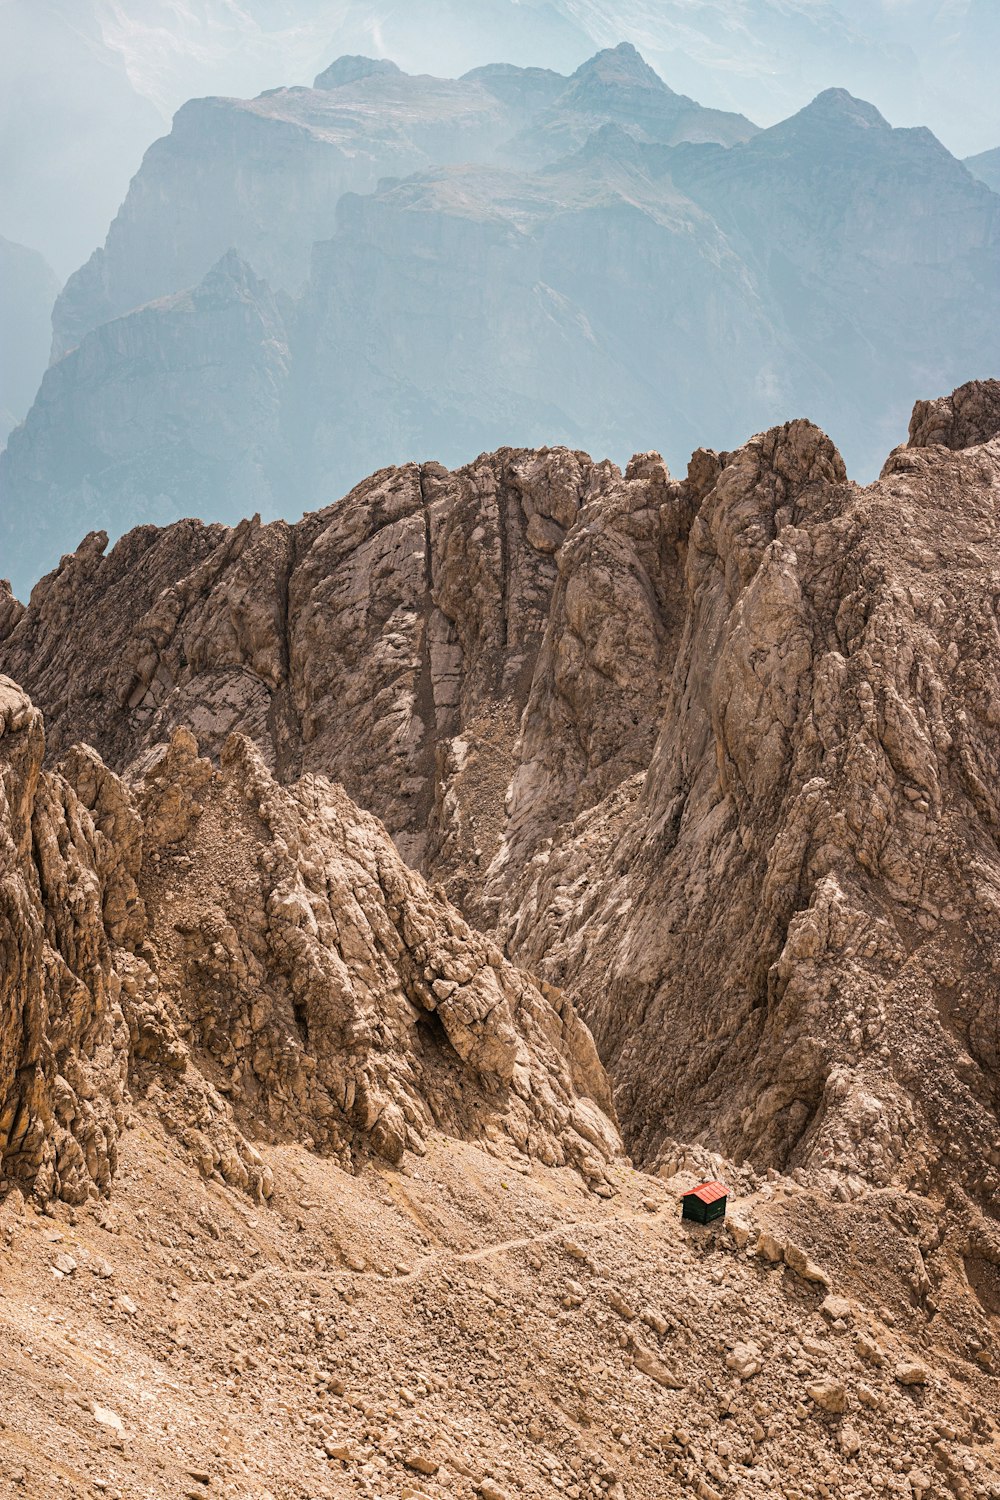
{"points": [[264, 176], [28, 289], [618, 88], [758, 57], [300, 1126], [986, 166], [458, 308], [184, 398], [91, 83], [645, 288], [87, 85], [823, 209], [919, 60], [698, 755], [569, 693], [314, 954]]}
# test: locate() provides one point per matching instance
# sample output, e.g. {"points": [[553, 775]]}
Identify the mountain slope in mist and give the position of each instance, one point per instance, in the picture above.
{"points": [[278, 312]]}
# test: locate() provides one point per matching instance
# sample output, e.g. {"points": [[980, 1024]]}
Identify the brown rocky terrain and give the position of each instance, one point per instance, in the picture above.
{"points": [[341, 826], [466, 1325], [614, 712], [261, 962]]}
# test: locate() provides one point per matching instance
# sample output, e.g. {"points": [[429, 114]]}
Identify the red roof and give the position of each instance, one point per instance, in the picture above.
{"points": [[708, 1192]]}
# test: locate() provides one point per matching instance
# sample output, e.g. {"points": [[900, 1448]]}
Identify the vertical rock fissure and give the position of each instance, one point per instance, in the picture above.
{"points": [[503, 509], [425, 706], [287, 738]]}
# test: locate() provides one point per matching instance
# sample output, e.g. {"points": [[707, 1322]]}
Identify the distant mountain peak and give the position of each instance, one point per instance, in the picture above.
{"points": [[618, 67], [232, 278], [353, 70], [986, 167], [838, 106], [612, 142], [506, 70]]}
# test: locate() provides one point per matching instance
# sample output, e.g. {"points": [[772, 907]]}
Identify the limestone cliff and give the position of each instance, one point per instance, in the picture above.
{"points": [[714, 756]]}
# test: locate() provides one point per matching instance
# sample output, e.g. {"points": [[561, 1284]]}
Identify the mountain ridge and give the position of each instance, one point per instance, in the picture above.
{"points": [[591, 747], [487, 264]]}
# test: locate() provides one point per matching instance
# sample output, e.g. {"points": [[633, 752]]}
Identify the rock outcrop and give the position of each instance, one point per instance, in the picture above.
{"points": [[967, 418], [790, 908], [714, 761], [63, 1044], [254, 963], [714, 756], [389, 641]]}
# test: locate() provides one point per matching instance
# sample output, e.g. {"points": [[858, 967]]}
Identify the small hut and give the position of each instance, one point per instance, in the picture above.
{"points": [[705, 1202]]}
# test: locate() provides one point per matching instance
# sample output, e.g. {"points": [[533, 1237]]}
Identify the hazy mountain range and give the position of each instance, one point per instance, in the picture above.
{"points": [[86, 85], [303, 287]]}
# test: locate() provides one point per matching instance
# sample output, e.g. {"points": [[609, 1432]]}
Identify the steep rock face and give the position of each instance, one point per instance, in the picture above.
{"points": [[337, 997], [62, 1043], [28, 288], [390, 641], [602, 672], [208, 934], [172, 410], [782, 932], [986, 166], [712, 755]]}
